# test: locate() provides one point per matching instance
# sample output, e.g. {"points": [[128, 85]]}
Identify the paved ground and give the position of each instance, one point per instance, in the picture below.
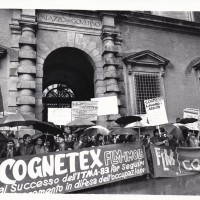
{"points": [[185, 185]]}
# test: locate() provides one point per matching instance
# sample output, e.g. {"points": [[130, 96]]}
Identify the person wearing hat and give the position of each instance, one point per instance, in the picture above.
{"points": [[10, 150]]}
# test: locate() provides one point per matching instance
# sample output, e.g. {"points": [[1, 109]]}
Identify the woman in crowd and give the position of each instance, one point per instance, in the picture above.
{"points": [[39, 148], [99, 139], [69, 142]]}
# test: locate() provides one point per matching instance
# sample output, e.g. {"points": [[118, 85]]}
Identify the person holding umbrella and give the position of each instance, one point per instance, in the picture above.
{"points": [[157, 139]]}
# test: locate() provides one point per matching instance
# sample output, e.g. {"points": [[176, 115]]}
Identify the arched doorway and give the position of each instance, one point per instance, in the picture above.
{"points": [[67, 76]]}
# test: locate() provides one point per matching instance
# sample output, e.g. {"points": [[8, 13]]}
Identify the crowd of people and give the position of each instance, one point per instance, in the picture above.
{"points": [[62, 142], [73, 141]]}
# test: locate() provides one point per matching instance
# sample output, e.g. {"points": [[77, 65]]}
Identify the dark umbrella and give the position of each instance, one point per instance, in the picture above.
{"points": [[188, 120], [123, 131], [4, 138], [183, 128], [17, 120], [128, 119], [47, 127], [173, 130]]}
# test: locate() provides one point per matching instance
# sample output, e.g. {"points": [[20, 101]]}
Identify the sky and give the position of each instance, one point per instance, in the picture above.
{"points": [[162, 5]]}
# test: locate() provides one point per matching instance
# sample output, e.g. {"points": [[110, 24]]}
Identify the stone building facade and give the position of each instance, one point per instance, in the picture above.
{"points": [[87, 54]]}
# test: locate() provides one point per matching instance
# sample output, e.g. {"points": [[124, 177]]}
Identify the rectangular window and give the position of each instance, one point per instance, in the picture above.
{"points": [[147, 86]]}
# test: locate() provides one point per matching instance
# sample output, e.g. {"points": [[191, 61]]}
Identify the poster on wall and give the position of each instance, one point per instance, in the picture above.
{"points": [[84, 110], [68, 171], [59, 116], [107, 105], [155, 109]]}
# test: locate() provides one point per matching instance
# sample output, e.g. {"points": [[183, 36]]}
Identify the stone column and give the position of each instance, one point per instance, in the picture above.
{"points": [[14, 60], [27, 64], [110, 51]]}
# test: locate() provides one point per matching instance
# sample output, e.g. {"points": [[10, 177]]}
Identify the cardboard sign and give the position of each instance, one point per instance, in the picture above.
{"points": [[172, 162], [59, 116], [67, 171], [156, 112], [190, 113], [84, 110], [107, 105]]}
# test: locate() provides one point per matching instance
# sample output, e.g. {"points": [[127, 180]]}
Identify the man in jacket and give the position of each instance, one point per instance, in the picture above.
{"points": [[26, 148], [9, 151]]}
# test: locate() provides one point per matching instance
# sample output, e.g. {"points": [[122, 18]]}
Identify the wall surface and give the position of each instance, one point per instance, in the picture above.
{"points": [[181, 88]]}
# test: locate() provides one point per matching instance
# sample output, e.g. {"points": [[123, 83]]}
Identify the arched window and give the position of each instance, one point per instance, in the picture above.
{"points": [[58, 96]]}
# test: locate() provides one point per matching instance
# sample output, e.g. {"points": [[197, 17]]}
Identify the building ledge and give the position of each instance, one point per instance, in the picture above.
{"points": [[161, 22]]}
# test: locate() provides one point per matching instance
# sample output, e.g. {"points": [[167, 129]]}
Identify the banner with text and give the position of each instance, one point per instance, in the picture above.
{"points": [[171, 162], [156, 112], [84, 110], [64, 172]]}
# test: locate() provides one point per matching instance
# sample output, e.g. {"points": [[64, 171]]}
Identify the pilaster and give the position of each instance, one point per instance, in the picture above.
{"points": [[111, 49], [14, 59], [26, 71]]}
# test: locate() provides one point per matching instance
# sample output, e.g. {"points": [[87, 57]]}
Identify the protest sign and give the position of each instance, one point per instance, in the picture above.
{"points": [[107, 105], [191, 113], [84, 110], [156, 112], [59, 116], [172, 162], [67, 171]]}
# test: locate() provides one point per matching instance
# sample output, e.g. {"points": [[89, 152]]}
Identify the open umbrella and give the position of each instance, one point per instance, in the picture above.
{"points": [[47, 127], [192, 126], [4, 138], [128, 119], [137, 125], [123, 131], [17, 120], [94, 130], [188, 120], [80, 123], [173, 130], [79, 131], [183, 128]]}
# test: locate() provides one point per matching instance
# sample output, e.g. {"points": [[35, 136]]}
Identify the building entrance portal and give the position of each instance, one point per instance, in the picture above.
{"points": [[68, 76]]}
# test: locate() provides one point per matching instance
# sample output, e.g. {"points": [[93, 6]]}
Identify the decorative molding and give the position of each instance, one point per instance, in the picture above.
{"points": [[145, 58], [159, 22]]}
